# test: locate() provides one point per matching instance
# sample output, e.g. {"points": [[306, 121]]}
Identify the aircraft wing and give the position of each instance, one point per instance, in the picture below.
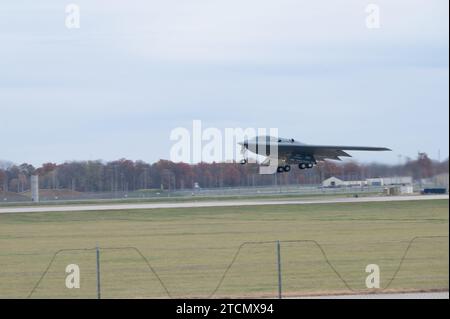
{"points": [[321, 152]]}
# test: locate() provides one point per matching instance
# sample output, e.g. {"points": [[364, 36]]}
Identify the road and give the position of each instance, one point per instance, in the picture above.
{"points": [[216, 203], [414, 295]]}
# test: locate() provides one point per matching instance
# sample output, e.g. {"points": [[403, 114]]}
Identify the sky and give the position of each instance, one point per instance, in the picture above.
{"points": [[135, 70]]}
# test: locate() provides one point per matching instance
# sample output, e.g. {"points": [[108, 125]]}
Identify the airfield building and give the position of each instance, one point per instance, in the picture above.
{"points": [[403, 182]]}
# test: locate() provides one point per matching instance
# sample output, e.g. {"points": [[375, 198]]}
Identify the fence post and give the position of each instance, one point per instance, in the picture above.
{"points": [[279, 268], [97, 251]]}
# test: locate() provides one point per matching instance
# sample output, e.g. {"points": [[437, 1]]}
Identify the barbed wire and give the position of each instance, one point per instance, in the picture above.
{"points": [[233, 260], [50, 264], [323, 254], [103, 248]]}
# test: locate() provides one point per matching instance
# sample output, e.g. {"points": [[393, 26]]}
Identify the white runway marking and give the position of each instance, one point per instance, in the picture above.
{"points": [[225, 203], [415, 295]]}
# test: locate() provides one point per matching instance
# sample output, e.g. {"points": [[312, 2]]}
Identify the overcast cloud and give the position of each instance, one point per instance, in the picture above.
{"points": [[135, 70]]}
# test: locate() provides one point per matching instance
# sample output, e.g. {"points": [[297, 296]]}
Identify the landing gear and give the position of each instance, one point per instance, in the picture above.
{"points": [[243, 161], [305, 165], [285, 168]]}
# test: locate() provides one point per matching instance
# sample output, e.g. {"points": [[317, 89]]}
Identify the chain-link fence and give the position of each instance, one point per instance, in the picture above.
{"points": [[62, 195]]}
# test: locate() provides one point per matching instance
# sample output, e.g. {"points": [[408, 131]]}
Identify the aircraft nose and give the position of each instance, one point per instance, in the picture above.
{"points": [[244, 143]]}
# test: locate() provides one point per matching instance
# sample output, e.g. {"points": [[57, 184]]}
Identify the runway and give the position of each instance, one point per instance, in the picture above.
{"points": [[216, 203], [415, 295]]}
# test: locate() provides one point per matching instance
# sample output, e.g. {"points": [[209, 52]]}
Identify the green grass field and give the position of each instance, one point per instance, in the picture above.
{"points": [[190, 248]]}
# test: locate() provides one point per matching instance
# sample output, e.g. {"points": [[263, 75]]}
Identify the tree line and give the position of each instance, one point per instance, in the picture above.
{"points": [[126, 175]]}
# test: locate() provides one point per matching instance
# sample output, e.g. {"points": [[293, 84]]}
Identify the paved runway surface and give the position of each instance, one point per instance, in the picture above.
{"points": [[217, 203], [415, 295]]}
